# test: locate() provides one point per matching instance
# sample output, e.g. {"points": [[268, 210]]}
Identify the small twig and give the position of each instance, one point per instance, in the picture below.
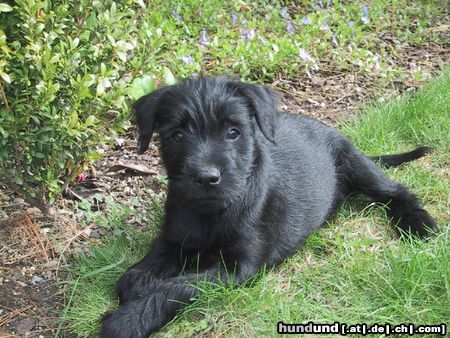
{"points": [[29, 224], [342, 98], [11, 205], [14, 313], [67, 180], [5, 99], [69, 242], [19, 258], [74, 194]]}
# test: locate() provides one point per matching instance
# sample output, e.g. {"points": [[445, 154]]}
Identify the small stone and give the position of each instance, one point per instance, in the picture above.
{"points": [[37, 280], [18, 200], [87, 232]]}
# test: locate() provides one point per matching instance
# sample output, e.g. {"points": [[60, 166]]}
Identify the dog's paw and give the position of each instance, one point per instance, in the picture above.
{"points": [[120, 324], [128, 285], [418, 223], [135, 284], [137, 318]]}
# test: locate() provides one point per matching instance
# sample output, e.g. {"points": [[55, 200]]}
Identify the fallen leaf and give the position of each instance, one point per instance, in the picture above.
{"points": [[133, 166]]}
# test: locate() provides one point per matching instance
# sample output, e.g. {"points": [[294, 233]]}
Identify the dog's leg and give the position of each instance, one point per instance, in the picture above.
{"points": [[139, 317], [364, 176], [163, 261]]}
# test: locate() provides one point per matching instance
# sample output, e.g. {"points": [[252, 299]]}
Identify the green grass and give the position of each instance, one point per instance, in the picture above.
{"points": [[354, 271]]}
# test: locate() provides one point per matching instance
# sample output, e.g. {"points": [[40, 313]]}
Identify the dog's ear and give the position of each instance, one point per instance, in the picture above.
{"points": [[263, 102], [145, 111]]}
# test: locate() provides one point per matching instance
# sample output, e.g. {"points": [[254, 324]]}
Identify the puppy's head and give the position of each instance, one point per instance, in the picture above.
{"points": [[209, 130]]}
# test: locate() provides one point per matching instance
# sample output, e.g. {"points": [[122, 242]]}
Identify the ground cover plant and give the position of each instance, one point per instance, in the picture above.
{"points": [[354, 271]]}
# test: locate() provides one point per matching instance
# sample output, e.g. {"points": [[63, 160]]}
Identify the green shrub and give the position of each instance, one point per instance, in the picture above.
{"points": [[65, 75]]}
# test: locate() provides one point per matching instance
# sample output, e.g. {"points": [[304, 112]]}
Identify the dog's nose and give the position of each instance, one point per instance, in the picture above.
{"points": [[207, 176]]}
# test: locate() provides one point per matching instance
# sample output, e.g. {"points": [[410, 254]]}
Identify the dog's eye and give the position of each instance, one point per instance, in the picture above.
{"points": [[232, 134], [177, 136]]}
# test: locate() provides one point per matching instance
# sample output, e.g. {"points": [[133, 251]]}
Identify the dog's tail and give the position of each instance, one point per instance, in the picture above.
{"points": [[397, 159]]}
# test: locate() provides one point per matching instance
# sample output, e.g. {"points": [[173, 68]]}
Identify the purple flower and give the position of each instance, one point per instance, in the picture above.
{"points": [[234, 18], [306, 21], [304, 55], [244, 22], [248, 34], [365, 10], [315, 7], [351, 24], [325, 26], [365, 19], [203, 40], [187, 59], [289, 27], [177, 16], [284, 12], [321, 4]]}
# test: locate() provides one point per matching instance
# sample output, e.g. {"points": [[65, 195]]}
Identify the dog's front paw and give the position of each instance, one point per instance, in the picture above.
{"points": [[120, 324], [135, 284], [129, 285], [136, 318]]}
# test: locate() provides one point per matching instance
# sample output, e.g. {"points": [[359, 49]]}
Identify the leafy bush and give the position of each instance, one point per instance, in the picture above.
{"points": [[65, 76], [69, 68]]}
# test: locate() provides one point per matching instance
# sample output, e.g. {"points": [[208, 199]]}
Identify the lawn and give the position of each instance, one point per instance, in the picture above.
{"points": [[353, 271]]}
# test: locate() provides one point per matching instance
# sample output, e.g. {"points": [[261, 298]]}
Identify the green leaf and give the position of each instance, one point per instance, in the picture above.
{"points": [[103, 85], [141, 86], [90, 121], [5, 7], [5, 77], [169, 79], [73, 118]]}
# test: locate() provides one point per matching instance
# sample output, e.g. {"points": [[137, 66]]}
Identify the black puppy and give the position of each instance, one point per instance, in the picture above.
{"points": [[247, 186]]}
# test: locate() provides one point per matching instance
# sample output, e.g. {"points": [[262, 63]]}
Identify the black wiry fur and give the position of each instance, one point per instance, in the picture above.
{"points": [[237, 204]]}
